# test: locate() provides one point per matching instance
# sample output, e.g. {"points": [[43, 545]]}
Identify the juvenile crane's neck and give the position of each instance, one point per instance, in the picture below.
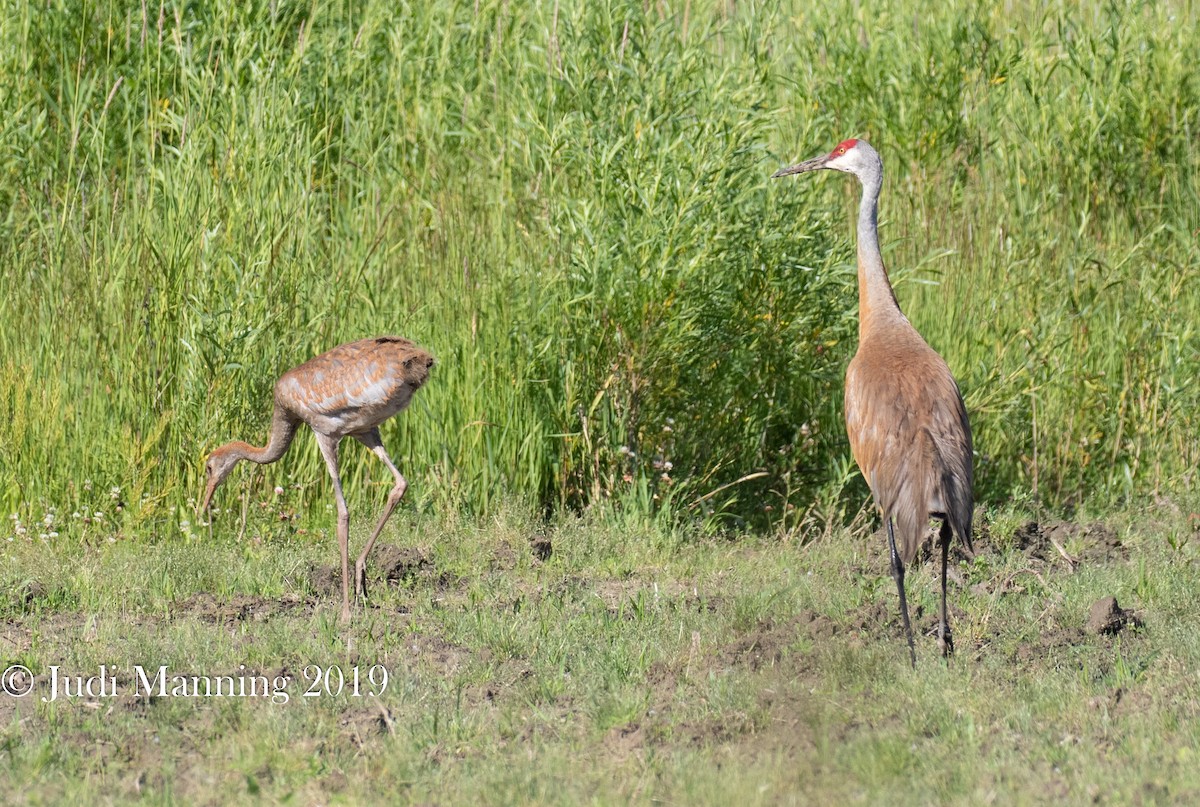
{"points": [[876, 301], [283, 431]]}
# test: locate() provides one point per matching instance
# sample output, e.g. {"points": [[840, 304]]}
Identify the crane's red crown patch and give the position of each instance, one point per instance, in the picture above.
{"points": [[843, 147]]}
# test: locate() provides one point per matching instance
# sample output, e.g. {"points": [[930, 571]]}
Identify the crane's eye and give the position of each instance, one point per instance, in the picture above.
{"points": [[841, 149]]}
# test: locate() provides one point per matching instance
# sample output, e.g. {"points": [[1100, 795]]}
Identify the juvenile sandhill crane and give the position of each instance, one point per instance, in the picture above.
{"points": [[905, 417], [346, 392]]}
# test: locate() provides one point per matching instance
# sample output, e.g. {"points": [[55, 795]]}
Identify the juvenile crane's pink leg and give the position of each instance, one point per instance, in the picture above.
{"points": [[374, 441], [898, 576], [329, 450]]}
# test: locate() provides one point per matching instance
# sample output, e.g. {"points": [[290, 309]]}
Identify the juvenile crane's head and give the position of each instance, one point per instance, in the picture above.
{"points": [[851, 156], [217, 467]]}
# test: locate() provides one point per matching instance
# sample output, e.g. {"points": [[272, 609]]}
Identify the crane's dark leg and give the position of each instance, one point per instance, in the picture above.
{"points": [[945, 640], [329, 450], [373, 441], [898, 576]]}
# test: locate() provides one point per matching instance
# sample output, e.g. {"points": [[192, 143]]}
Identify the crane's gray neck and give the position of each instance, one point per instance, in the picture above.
{"points": [[875, 295]]}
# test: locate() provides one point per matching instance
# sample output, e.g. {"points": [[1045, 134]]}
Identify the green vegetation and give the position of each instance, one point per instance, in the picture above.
{"points": [[570, 206], [634, 665]]}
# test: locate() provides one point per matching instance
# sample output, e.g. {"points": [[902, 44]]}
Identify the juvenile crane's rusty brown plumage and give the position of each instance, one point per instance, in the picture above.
{"points": [[905, 416], [346, 392]]}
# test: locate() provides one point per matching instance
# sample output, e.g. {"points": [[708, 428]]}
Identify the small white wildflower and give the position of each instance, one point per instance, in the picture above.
{"points": [[278, 490], [668, 465], [43, 535], [98, 515], [75, 514], [53, 534], [115, 493], [183, 525], [87, 484]]}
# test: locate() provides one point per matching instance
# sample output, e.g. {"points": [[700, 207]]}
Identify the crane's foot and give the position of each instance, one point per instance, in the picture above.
{"points": [[360, 580], [946, 642]]}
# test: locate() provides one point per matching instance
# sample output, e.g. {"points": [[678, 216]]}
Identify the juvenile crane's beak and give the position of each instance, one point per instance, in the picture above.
{"points": [[800, 168], [209, 489]]}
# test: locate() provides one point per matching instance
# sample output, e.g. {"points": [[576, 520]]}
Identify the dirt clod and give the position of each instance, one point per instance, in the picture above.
{"points": [[541, 547], [398, 564], [31, 591], [326, 580], [1107, 617]]}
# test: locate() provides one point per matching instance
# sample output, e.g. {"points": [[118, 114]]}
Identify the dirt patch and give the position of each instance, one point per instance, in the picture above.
{"points": [[708, 733], [1107, 617], [360, 725], [815, 625], [1123, 702], [430, 650], [1049, 643], [504, 559], [388, 564], [623, 742], [14, 640], [764, 645], [240, 608], [877, 617], [1069, 544]]}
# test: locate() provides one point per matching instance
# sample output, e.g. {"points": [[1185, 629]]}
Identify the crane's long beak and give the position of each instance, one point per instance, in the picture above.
{"points": [[209, 490], [800, 168]]}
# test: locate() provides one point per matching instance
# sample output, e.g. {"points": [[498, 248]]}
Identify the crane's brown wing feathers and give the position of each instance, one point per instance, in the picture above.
{"points": [[910, 437], [355, 386]]}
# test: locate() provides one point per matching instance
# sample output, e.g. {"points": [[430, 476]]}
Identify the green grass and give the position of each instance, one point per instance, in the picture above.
{"points": [[628, 665], [571, 207]]}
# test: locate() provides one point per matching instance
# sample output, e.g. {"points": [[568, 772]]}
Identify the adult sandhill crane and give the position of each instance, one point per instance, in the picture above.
{"points": [[346, 392], [905, 417]]}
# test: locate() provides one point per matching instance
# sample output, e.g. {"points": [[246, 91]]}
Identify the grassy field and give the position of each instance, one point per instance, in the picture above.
{"points": [[634, 561], [582, 663], [571, 206]]}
